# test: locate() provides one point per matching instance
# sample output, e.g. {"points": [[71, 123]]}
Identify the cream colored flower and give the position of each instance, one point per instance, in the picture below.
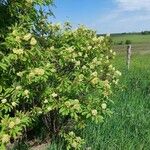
{"points": [[116, 81], [94, 74], [70, 49], [18, 87], [76, 107], [4, 101], [76, 101], [14, 32], [95, 80], [110, 66], [45, 101], [81, 77], [71, 133], [49, 108], [74, 55], [39, 71], [29, 1], [111, 51], [67, 103], [48, 65], [31, 74], [94, 60], [26, 92], [92, 66], [20, 74], [118, 73], [40, 112], [14, 104], [89, 47], [33, 41], [27, 37], [114, 53], [94, 112], [78, 139], [104, 106], [107, 57], [101, 38], [52, 48], [17, 121], [74, 144], [11, 124], [84, 67], [5, 138], [80, 54], [18, 39], [107, 61], [95, 39], [77, 63], [85, 56], [18, 51], [54, 95]]}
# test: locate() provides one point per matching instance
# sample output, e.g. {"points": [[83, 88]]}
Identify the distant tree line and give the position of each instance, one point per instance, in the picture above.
{"points": [[127, 33], [145, 32]]}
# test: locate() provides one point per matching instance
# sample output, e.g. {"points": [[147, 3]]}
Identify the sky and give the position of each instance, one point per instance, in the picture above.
{"points": [[105, 16]]}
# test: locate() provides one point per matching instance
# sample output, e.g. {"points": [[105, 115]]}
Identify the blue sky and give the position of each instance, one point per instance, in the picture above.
{"points": [[105, 16]]}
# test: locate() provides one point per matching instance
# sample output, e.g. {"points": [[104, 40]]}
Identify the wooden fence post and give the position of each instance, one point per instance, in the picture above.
{"points": [[128, 56]]}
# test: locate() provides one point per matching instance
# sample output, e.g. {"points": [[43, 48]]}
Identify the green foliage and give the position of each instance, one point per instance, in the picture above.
{"points": [[52, 72], [120, 43], [128, 42]]}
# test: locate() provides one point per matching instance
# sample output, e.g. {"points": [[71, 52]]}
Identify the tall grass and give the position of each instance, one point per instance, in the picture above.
{"points": [[129, 126]]}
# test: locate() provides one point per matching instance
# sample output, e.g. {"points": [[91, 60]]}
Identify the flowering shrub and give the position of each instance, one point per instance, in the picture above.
{"points": [[64, 76]]}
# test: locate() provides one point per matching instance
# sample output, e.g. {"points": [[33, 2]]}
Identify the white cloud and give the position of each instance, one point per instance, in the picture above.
{"points": [[122, 21], [132, 5], [127, 16]]}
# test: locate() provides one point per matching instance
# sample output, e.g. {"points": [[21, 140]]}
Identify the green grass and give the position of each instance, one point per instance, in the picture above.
{"points": [[129, 126], [140, 43], [134, 38]]}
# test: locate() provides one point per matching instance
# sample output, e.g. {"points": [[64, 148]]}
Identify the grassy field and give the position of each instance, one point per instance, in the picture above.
{"points": [[129, 126], [140, 43], [134, 38]]}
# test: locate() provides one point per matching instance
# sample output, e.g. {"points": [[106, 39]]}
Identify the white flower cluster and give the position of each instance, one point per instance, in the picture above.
{"points": [[33, 41], [54, 95], [27, 37], [18, 51], [94, 112], [18, 87], [26, 93], [37, 71], [4, 101], [29, 1], [70, 49]]}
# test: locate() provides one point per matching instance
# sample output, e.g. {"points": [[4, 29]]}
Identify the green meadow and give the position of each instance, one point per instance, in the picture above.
{"points": [[134, 38]]}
